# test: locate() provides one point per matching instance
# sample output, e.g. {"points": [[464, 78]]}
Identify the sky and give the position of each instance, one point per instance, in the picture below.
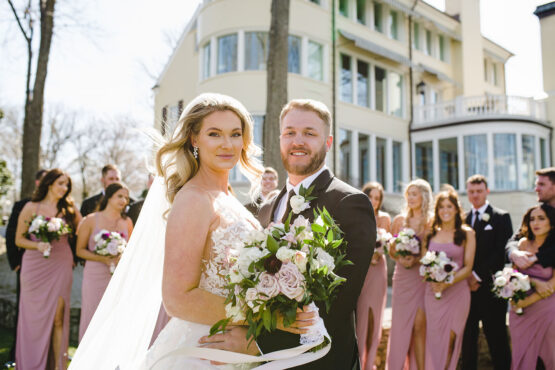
{"points": [[105, 52]]}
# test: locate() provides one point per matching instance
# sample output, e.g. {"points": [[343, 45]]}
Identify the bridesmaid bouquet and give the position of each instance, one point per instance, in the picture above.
{"points": [[283, 268], [383, 238], [438, 268], [47, 229], [109, 243], [407, 243], [511, 285]]}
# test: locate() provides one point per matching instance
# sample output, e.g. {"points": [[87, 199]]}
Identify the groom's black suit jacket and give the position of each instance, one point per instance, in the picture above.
{"points": [[353, 212]]}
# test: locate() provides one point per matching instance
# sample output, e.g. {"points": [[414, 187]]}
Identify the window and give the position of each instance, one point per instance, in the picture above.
{"points": [[428, 42], [381, 176], [442, 54], [346, 79], [397, 167], [378, 19], [448, 162], [379, 75], [395, 94], [416, 36], [294, 59], [364, 158], [543, 154], [475, 155], [256, 50], [206, 61], [361, 11], [504, 147], [363, 84], [394, 25], [528, 162], [345, 154], [344, 7], [315, 60], [315, 1], [424, 161], [227, 53]]}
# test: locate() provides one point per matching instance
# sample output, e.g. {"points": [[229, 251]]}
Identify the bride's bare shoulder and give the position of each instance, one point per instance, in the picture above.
{"points": [[192, 200]]}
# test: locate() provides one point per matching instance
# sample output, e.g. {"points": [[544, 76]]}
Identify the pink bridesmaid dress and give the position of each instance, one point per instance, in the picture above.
{"points": [[372, 297], [96, 276], [446, 315], [533, 332], [407, 298], [43, 282]]}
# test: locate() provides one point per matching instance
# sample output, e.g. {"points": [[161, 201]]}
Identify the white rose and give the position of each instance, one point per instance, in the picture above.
{"points": [[301, 221], [36, 224], [268, 286], [234, 275], [54, 224], [324, 259], [285, 254], [298, 204], [428, 258], [291, 281], [251, 295], [485, 217], [409, 232], [234, 312], [300, 260], [256, 236], [500, 281], [248, 256]]}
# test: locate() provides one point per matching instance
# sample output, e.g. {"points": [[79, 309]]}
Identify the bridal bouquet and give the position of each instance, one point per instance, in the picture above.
{"points": [[407, 243], [511, 284], [438, 268], [284, 268], [109, 243], [47, 229], [383, 238]]}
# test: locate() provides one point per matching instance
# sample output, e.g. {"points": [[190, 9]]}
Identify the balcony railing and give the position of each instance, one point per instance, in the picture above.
{"points": [[476, 107]]}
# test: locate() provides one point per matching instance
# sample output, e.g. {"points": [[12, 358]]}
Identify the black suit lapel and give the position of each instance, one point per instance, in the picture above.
{"points": [[276, 202], [320, 184]]}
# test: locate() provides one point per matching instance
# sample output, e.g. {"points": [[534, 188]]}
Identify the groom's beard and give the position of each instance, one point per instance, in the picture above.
{"points": [[316, 161]]}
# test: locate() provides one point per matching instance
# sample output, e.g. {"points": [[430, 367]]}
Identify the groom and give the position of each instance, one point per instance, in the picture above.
{"points": [[305, 127]]}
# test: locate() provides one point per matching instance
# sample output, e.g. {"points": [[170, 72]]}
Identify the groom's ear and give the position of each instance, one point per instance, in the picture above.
{"points": [[329, 142]]}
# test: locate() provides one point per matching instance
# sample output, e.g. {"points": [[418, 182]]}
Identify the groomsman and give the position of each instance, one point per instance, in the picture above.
{"points": [[493, 228], [545, 189], [15, 254], [305, 139], [268, 186], [110, 174]]}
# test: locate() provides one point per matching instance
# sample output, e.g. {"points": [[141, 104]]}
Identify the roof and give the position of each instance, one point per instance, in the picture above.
{"points": [[545, 10]]}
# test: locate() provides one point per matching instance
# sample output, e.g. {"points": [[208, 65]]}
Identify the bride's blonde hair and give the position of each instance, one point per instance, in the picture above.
{"points": [[175, 160]]}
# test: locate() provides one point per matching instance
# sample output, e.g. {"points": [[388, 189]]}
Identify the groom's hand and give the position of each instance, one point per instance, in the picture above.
{"points": [[234, 339]]}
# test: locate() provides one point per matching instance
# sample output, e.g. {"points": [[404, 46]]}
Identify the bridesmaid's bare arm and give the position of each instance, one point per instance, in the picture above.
{"points": [[535, 297], [23, 225], [129, 225]]}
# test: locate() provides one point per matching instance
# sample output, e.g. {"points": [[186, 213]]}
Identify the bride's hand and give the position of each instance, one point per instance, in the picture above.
{"points": [[304, 319]]}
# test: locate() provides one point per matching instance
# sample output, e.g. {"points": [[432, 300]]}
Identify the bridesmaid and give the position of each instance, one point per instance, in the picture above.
{"points": [[43, 324], [446, 317], [96, 274], [533, 332], [407, 340], [371, 302]]}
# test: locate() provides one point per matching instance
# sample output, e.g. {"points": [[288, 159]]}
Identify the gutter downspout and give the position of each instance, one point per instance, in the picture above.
{"points": [[333, 84], [411, 86]]}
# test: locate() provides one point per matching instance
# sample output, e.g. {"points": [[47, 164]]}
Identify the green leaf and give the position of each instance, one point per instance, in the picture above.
{"points": [[272, 244], [288, 221], [318, 229], [267, 319], [219, 326]]}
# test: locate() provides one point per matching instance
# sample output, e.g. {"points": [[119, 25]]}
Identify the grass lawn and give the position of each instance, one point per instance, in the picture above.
{"points": [[6, 339]]}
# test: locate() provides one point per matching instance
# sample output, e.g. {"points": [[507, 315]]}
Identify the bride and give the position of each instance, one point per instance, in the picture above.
{"points": [[206, 226]]}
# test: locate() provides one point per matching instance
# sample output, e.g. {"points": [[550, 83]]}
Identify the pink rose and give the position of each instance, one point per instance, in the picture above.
{"points": [[268, 286], [291, 281]]}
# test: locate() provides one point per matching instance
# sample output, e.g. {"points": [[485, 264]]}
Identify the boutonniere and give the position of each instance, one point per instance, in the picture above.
{"points": [[301, 201], [485, 217]]}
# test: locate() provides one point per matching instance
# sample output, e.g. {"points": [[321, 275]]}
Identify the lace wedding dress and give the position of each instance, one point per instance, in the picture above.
{"points": [[236, 222]]}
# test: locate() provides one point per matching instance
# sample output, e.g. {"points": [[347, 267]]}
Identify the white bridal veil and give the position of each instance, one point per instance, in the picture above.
{"points": [[122, 326]]}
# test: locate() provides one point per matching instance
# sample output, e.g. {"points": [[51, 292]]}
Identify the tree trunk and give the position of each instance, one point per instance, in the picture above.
{"points": [[32, 123], [276, 95]]}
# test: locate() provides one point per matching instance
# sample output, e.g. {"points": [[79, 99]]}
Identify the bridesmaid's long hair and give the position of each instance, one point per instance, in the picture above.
{"points": [[426, 191], [65, 204], [175, 160], [451, 195], [374, 185], [108, 193], [526, 230]]}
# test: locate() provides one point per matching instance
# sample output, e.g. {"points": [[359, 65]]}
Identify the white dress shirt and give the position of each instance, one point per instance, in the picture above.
{"points": [[480, 210], [282, 206]]}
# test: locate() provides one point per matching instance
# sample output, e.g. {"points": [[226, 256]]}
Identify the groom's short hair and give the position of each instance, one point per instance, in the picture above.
{"points": [[308, 105]]}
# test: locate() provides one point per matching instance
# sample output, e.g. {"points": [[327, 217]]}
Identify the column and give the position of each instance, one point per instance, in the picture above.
{"points": [[519, 183], [388, 186], [435, 164], [241, 50], [373, 157]]}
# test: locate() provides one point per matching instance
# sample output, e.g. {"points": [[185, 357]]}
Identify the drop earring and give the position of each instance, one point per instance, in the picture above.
{"points": [[195, 152]]}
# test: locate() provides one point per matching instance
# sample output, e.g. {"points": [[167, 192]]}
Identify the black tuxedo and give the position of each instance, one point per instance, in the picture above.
{"points": [[491, 238], [89, 204], [254, 206], [353, 212], [134, 210], [15, 255]]}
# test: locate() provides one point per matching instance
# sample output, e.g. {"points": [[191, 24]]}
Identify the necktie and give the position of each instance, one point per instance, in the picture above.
{"points": [[288, 209], [476, 219]]}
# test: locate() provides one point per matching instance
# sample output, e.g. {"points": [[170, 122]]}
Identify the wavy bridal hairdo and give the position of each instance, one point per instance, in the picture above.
{"points": [[175, 160], [426, 191]]}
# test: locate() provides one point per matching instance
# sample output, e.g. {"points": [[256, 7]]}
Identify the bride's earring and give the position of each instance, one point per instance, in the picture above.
{"points": [[195, 152]]}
